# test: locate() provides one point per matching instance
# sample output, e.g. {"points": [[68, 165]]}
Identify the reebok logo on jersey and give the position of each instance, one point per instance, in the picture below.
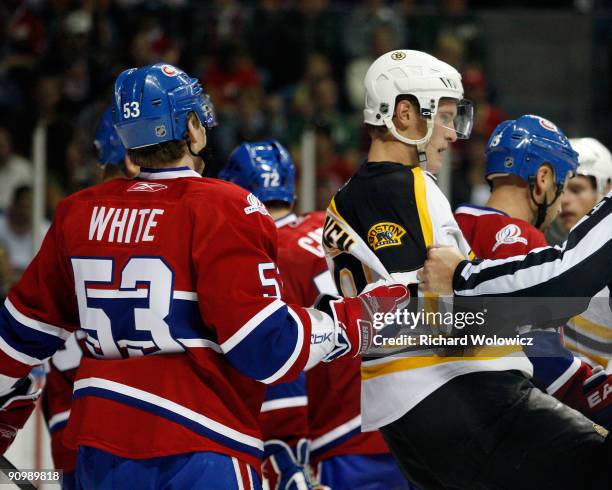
{"points": [[147, 187], [385, 234], [255, 206], [508, 235]]}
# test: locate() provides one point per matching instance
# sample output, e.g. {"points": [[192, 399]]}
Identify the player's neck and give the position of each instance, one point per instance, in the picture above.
{"points": [[392, 151], [188, 160], [279, 213], [512, 200]]}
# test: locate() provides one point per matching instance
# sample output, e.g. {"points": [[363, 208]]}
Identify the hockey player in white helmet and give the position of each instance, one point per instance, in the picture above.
{"points": [[435, 110], [589, 334], [593, 181], [460, 421]]}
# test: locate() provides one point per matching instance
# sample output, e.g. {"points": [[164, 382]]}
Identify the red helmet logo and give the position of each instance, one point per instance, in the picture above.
{"points": [[169, 70], [546, 124]]}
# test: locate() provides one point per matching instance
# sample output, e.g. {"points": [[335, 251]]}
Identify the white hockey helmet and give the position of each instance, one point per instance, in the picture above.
{"points": [[422, 76], [594, 160]]}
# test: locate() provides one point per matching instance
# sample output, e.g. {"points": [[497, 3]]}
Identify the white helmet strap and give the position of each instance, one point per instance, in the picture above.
{"points": [[420, 143]]}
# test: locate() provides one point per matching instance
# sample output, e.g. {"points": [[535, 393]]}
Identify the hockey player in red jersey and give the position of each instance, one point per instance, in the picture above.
{"points": [[179, 345], [328, 410], [529, 161], [62, 366]]}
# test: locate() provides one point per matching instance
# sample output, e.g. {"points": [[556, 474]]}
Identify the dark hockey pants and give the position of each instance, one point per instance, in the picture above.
{"points": [[495, 430]]}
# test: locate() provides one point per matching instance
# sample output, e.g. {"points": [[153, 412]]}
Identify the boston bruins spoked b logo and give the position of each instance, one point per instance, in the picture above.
{"points": [[385, 234]]}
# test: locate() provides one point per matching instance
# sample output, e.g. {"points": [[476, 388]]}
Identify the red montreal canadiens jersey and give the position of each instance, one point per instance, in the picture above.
{"points": [[493, 234], [57, 398], [173, 280], [284, 413], [301, 258], [333, 389]]}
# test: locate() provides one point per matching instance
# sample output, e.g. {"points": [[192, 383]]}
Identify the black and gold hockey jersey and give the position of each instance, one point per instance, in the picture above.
{"points": [[378, 226]]}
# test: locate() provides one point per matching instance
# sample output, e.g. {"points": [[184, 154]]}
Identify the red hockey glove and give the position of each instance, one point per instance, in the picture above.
{"points": [[354, 317], [589, 391], [15, 409], [598, 395]]}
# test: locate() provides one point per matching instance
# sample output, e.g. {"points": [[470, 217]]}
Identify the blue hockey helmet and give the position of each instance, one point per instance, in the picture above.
{"points": [[264, 168], [521, 146], [107, 142], [152, 104]]}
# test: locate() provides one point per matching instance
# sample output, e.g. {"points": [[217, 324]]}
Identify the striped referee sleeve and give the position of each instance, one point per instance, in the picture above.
{"points": [[579, 268]]}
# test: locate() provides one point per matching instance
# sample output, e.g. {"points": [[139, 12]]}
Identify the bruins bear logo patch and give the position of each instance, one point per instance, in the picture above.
{"points": [[385, 234]]}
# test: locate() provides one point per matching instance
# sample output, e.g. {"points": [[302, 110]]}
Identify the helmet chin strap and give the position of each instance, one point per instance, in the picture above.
{"points": [[543, 206], [204, 153], [420, 143]]}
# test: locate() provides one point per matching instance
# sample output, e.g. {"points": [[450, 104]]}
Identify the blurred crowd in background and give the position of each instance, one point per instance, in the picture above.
{"points": [[272, 67]]}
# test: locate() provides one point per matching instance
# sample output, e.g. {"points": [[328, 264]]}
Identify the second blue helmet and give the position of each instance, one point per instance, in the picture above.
{"points": [[152, 105], [263, 168], [107, 141], [521, 146]]}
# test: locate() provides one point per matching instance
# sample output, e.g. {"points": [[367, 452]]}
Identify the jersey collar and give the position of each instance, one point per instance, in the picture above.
{"points": [[475, 210], [166, 173], [286, 220]]}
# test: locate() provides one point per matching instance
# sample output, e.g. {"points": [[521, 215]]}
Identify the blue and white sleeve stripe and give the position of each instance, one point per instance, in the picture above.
{"points": [[268, 345], [286, 395], [27, 340]]}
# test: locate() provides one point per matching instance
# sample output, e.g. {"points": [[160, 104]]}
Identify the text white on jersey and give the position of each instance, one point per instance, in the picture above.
{"points": [[123, 225]]}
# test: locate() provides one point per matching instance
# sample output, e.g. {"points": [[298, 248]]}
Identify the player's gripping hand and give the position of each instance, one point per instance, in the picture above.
{"points": [[15, 409], [354, 317], [286, 468], [439, 269]]}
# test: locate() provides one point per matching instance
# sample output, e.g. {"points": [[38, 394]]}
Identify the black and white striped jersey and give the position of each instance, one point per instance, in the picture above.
{"points": [[578, 269]]}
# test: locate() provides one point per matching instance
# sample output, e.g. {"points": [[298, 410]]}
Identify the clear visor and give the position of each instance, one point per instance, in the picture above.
{"points": [[464, 120], [203, 100], [209, 111]]}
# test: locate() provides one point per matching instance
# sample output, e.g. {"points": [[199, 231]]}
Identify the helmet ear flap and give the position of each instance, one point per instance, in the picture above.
{"points": [[109, 148]]}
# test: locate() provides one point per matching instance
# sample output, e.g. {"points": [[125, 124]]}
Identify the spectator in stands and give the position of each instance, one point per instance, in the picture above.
{"points": [[324, 111], [316, 68], [460, 23], [15, 170], [16, 231], [272, 26], [320, 28], [334, 167], [364, 20], [383, 40], [487, 115], [59, 128], [230, 72]]}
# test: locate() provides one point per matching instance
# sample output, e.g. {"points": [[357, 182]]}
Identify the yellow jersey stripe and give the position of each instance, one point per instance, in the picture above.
{"points": [[334, 210], [588, 326], [420, 194], [410, 363], [601, 360]]}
